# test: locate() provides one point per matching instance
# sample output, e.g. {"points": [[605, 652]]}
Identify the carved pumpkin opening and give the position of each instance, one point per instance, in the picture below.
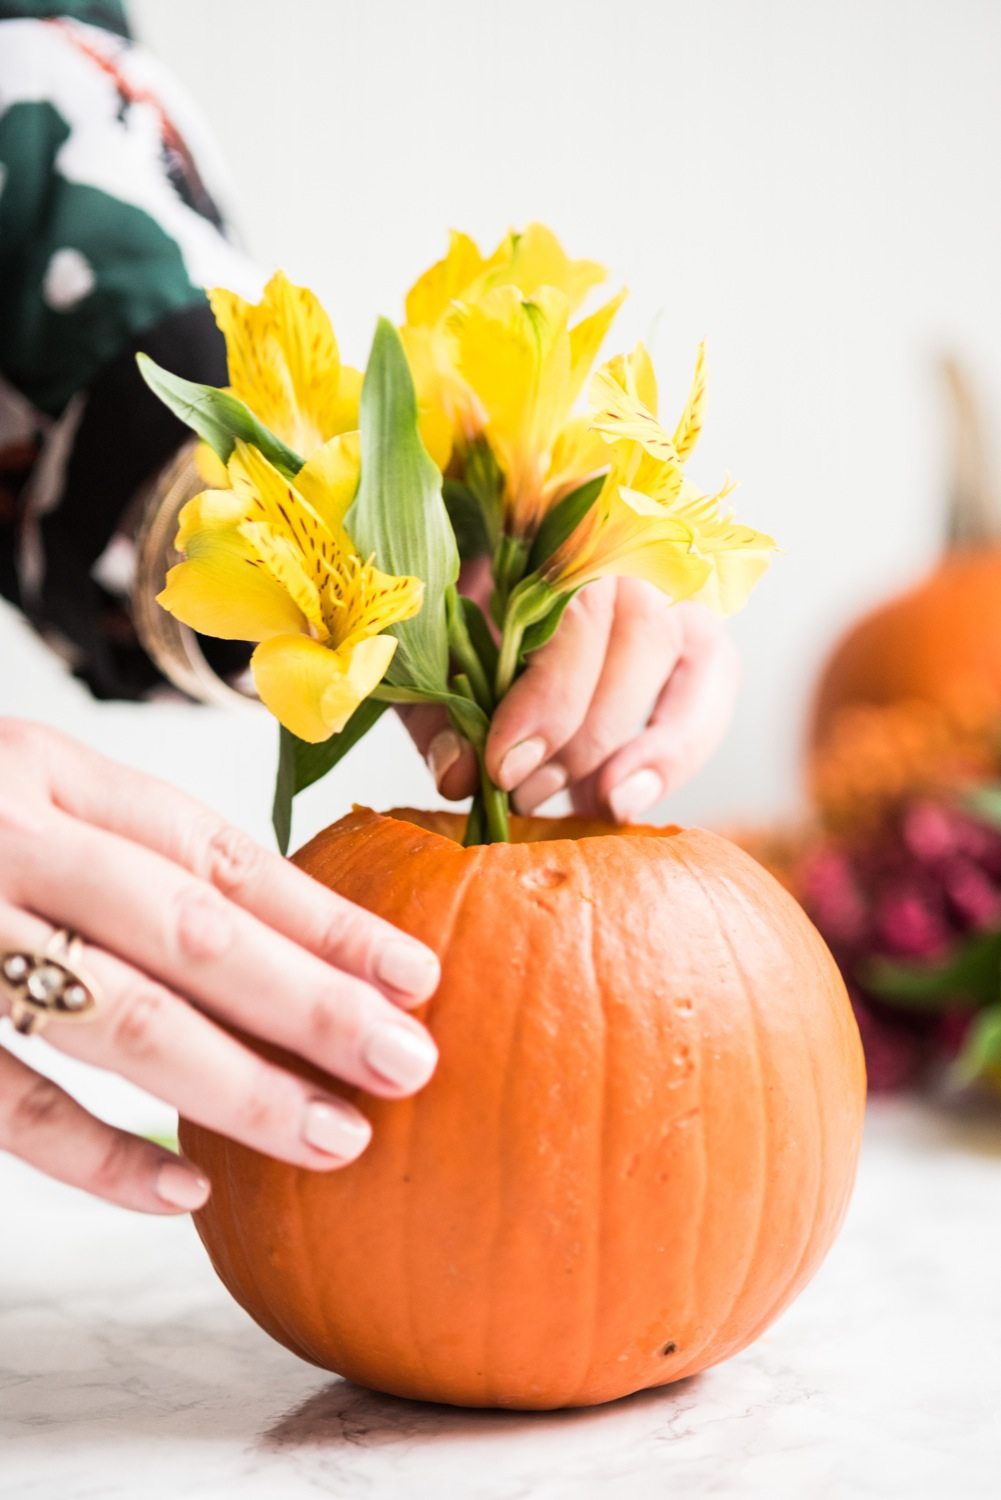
{"points": [[452, 825]]}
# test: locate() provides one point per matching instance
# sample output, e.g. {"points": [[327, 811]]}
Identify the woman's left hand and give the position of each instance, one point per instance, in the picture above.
{"points": [[624, 704]]}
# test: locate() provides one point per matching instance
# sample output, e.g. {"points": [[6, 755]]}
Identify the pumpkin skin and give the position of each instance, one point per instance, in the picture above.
{"points": [[939, 643], [638, 1146]]}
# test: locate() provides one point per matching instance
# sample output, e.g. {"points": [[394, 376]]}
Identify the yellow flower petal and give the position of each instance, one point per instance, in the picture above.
{"points": [[515, 355], [221, 589], [345, 401], [210, 467], [284, 363], [210, 510], [627, 535], [287, 566], [686, 434], [618, 413], [537, 259], [586, 338], [314, 690], [328, 479], [578, 455], [431, 294], [268, 496]]}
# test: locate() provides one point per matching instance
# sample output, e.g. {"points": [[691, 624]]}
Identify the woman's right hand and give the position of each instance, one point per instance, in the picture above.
{"points": [[190, 928]]}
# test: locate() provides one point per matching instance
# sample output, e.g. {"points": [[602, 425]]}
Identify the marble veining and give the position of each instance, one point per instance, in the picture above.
{"points": [[125, 1369]]}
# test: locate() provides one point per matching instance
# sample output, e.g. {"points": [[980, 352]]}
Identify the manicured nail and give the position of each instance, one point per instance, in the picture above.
{"points": [[442, 754], [543, 785], [180, 1187], [634, 795], [409, 968], [519, 763], [334, 1130], [402, 1057]]}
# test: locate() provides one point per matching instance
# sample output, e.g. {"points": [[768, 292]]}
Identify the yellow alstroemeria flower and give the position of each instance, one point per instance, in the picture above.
{"points": [[492, 350], [285, 364], [527, 366], [269, 560], [650, 521]]}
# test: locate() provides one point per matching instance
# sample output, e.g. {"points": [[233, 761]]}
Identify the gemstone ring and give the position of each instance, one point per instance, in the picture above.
{"points": [[48, 985]]}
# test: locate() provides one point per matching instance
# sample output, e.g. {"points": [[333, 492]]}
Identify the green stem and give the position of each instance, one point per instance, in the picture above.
{"points": [[509, 563], [466, 655], [507, 662], [495, 809], [488, 816], [475, 826]]}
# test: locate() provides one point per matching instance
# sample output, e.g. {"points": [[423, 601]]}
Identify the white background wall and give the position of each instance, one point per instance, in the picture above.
{"points": [[813, 187]]}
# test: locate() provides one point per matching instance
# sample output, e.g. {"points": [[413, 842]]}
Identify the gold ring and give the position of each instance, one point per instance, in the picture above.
{"points": [[48, 984]]}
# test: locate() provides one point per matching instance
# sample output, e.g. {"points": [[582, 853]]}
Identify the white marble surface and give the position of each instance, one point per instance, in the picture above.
{"points": [[125, 1370]]}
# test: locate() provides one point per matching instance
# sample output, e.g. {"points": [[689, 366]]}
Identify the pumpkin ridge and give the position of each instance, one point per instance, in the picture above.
{"points": [[497, 1233], [794, 1280], [600, 1228], [750, 1262], [442, 944]]}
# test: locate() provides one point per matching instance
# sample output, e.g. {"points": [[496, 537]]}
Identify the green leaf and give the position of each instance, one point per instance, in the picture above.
{"points": [[217, 417], [562, 520], [468, 521], [300, 763], [466, 715], [971, 974], [543, 630], [399, 513], [485, 482], [281, 807], [981, 1054], [480, 634]]}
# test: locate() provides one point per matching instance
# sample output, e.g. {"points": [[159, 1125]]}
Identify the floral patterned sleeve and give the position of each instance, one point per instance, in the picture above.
{"points": [[110, 228]]}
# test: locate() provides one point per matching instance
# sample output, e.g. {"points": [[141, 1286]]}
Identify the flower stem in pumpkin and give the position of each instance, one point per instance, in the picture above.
{"points": [[488, 817]]}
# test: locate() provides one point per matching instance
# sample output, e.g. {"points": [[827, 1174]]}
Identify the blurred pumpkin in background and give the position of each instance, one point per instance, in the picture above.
{"points": [[898, 857], [937, 644]]}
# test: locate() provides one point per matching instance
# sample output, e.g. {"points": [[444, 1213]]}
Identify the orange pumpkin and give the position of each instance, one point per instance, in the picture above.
{"points": [[637, 1148], [938, 643]]}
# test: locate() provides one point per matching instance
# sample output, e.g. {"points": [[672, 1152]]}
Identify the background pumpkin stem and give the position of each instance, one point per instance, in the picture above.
{"points": [[973, 516]]}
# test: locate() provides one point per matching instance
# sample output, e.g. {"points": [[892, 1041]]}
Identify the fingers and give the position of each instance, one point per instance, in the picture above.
{"points": [[162, 921], [549, 703], [151, 813], [45, 1127], [150, 1035], [643, 648], [452, 761], [688, 722]]}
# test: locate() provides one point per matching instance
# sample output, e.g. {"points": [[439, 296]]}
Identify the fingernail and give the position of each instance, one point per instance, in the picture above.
{"points": [[180, 1187], [634, 795], [409, 968], [520, 761], [543, 785], [332, 1129], [400, 1056], [443, 752]]}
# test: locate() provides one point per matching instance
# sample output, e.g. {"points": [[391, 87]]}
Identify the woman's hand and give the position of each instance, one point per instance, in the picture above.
{"points": [[621, 707], [190, 929]]}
